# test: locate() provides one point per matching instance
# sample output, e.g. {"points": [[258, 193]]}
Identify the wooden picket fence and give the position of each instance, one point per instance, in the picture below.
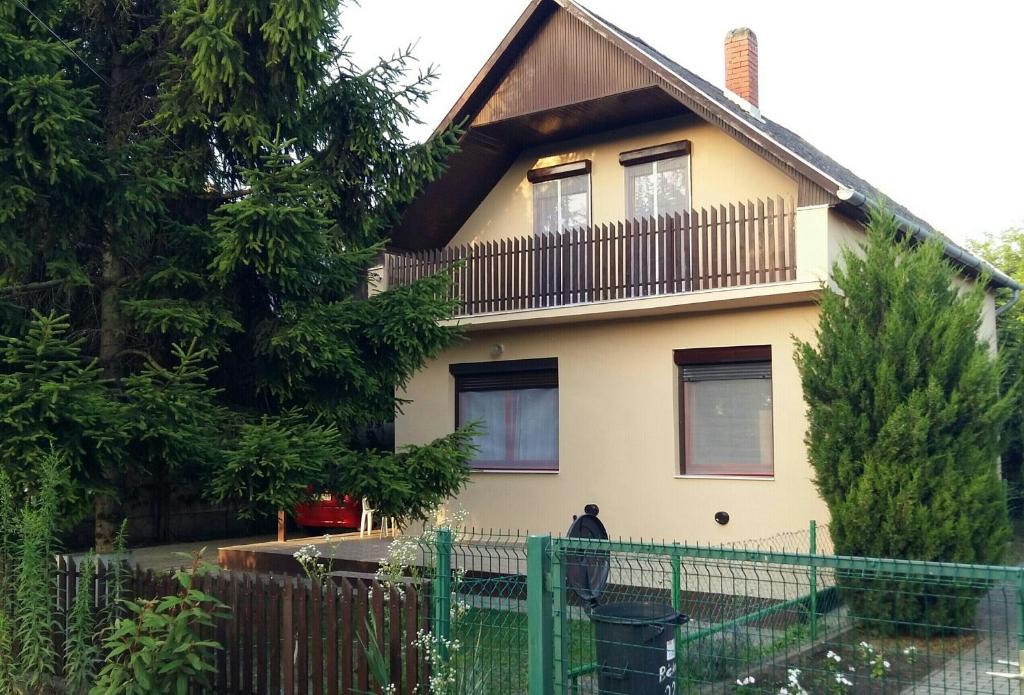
{"points": [[285, 634], [750, 243]]}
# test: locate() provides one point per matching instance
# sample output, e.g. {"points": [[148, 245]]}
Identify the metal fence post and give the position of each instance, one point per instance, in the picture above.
{"points": [[560, 624], [539, 616], [1020, 631], [677, 590], [814, 582], [441, 591]]}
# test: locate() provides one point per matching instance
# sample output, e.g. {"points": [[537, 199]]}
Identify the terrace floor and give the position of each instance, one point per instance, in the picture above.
{"points": [[174, 556], [346, 552], [251, 552], [164, 558]]}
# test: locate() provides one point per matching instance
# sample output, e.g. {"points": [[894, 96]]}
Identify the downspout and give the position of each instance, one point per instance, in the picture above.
{"points": [[1014, 298], [961, 256]]}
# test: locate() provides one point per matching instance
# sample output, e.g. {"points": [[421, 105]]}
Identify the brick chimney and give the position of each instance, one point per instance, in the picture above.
{"points": [[741, 64]]}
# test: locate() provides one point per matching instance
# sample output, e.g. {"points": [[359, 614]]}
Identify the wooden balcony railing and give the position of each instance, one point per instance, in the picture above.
{"points": [[726, 246]]}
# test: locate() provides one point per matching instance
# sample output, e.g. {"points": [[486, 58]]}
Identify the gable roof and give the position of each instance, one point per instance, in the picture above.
{"points": [[851, 188], [821, 179], [811, 156]]}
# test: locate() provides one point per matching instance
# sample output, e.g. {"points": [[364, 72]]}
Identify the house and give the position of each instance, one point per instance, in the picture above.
{"points": [[636, 250]]}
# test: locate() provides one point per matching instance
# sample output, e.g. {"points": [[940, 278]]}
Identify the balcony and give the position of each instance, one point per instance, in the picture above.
{"points": [[739, 245]]}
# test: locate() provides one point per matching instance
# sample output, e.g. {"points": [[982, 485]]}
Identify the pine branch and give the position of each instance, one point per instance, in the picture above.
{"points": [[28, 287], [229, 195], [144, 355]]}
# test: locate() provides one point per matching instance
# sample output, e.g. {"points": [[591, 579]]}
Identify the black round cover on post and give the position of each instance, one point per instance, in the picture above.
{"points": [[587, 569]]}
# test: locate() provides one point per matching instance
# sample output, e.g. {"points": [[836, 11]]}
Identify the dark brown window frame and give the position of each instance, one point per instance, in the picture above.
{"points": [[505, 375], [558, 171], [643, 155], [737, 354]]}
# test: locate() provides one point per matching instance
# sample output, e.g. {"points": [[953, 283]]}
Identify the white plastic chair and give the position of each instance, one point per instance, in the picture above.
{"points": [[366, 521]]}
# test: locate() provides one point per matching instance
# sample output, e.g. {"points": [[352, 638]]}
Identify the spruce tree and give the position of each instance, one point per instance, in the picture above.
{"points": [[201, 188], [904, 418]]}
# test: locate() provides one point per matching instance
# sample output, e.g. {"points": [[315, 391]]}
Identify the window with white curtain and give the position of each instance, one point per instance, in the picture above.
{"points": [[657, 180], [515, 406], [659, 187], [561, 197], [726, 411]]}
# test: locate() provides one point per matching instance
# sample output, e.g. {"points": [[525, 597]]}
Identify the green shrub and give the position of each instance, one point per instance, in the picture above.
{"points": [[8, 568], [904, 420], [33, 653], [157, 648], [81, 653]]}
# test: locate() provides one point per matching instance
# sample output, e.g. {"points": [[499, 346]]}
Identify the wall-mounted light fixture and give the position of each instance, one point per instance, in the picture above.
{"points": [[497, 350], [722, 518]]}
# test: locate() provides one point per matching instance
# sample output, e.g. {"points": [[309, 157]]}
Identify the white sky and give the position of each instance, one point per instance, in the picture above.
{"points": [[923, 99]]}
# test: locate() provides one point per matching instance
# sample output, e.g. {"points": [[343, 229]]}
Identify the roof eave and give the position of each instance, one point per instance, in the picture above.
{"points": [[535, 12], [956, 253]]}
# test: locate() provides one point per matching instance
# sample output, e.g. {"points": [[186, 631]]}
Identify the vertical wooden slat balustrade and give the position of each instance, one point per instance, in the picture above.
{"points": [[724, 246]]}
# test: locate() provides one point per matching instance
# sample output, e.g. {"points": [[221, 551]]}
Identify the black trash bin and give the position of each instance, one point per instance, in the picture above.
{"points": [[636, 648]]}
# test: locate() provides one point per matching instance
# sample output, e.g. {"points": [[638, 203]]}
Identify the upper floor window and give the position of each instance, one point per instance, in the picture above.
{"points": [[726, 411], [561, 197], [657, 180]]}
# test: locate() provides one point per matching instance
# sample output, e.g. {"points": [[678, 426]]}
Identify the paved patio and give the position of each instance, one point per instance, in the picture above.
{"points": [[163, 558], [997, 624], [347, 552]]}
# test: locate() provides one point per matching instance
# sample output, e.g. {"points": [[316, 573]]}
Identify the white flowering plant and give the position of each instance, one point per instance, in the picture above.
{"points": [[910, 654], [309, 558], [838, 673], [454, 670], [400, 562], [793, 685], [878, 666], [747, 684], [835, 679]]}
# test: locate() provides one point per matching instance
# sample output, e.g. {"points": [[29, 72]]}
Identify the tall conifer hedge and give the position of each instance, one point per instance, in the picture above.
{"points": [[904, 414]]}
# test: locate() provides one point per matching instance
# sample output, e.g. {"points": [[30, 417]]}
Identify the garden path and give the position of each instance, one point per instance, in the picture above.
{"points": [[998, 618]]}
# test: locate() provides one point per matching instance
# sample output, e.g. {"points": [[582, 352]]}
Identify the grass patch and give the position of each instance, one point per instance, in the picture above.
{"points": [[495, 643]]}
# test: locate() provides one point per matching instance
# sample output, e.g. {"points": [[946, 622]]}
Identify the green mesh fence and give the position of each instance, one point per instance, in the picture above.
{"points": [[775, 615], [483, 593], [772, 622]]}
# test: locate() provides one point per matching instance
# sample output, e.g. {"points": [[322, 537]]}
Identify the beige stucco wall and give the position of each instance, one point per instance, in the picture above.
{"points": [[722, 171], [812, 243], [618, 429], [843, 233], [618, 405], [987, 330]]}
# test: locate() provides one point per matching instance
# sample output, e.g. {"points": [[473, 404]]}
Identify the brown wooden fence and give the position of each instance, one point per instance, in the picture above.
{"points": [[748, 243], [286, 634]]}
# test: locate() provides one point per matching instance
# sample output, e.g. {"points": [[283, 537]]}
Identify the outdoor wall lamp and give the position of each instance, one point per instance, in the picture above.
{"points": [[722, 518]]}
